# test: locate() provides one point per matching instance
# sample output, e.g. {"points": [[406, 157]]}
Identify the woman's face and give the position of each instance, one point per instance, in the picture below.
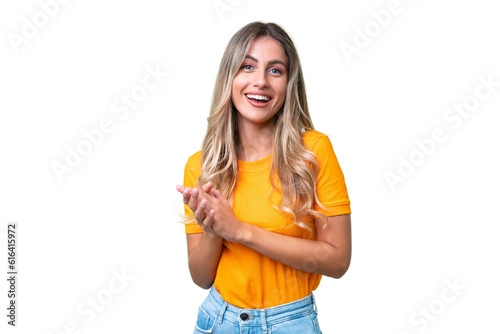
{"points": [[259, 87]]}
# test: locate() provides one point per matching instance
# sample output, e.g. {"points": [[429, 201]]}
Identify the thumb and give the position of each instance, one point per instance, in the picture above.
{"points": [[218, 195], [207, 187]]}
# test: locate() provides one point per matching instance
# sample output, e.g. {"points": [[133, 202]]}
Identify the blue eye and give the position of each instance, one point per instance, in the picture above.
{"points": [[246, 67], [276, 71]]}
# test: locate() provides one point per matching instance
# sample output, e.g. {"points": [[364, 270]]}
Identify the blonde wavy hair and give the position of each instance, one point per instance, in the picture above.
{"points": [[293, 165]]}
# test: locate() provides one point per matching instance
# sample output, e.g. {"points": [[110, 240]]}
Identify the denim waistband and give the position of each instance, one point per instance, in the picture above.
{"points": [[260, 317]]}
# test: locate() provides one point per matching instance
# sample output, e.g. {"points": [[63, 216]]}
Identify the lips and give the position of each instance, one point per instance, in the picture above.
{"points": [[258, 99]]}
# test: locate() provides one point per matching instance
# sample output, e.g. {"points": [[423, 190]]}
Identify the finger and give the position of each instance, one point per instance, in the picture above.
{"points": [[193, 201], [207, 187], [209, 198], [186, 195], [218, 195], [202, 194], [199, 214], [207, 222], [180, 188]]}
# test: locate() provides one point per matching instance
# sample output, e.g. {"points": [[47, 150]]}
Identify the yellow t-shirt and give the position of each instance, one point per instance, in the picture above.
{"points": [[246, 278]]}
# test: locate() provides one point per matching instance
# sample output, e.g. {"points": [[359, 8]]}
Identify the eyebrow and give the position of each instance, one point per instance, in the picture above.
{"points": [[271, 62]]}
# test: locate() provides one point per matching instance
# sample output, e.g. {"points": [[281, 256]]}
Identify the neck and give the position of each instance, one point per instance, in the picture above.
{"points": [[256, 140]]}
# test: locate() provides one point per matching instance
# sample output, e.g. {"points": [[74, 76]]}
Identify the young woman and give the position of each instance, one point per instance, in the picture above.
{"points": [[267, 207]]}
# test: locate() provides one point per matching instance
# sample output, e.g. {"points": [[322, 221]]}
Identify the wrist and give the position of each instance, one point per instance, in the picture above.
{"points": [[212, 237], [246, 233]]}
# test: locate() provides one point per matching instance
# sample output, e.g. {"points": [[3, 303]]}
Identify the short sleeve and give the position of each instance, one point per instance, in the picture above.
{"points": [[191, 174], [331, 187]]}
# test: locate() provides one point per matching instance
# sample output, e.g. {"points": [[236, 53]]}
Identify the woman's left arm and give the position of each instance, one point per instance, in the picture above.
{"points": [[329, 255]]}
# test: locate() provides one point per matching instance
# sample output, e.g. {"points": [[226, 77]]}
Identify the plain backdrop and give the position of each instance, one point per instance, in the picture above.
{"points": [[425, 251]]}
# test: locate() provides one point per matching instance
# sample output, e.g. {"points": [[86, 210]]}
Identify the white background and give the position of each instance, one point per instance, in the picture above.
{"points": [[119, 210]]}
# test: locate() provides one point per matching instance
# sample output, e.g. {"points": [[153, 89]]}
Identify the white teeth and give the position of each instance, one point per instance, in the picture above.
{"points": [[258, 97]]}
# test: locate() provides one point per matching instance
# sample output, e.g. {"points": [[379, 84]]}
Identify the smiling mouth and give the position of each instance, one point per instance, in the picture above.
{"points": [[258, 98]]}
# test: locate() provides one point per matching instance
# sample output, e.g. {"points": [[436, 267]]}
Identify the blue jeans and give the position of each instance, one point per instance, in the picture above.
{"points": [[218, 316]]}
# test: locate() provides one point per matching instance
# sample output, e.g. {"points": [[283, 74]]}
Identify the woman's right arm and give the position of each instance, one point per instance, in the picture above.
{"points": [[204, 249]]}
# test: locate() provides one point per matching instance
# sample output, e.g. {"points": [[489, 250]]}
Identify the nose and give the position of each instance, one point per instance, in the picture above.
{"points": [[260, 78]]}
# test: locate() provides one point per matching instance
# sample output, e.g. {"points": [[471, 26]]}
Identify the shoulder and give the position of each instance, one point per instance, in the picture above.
{"points": [[315, 140], [193, 164], [194, 161], [192, 170]]}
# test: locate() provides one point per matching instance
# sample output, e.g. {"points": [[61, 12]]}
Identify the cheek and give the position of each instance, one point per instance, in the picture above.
{"points": [[236, 89], [282, 92], [237, 84]]}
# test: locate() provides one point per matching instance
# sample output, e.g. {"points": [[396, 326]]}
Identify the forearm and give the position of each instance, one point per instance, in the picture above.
{"points": [[204, 260], [309, 255]]}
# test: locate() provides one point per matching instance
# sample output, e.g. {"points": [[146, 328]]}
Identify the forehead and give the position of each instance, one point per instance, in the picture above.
{"points": [[267, 48]]}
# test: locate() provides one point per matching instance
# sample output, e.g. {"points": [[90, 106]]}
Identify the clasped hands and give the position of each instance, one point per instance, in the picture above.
{"points": [[213, 212]]}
